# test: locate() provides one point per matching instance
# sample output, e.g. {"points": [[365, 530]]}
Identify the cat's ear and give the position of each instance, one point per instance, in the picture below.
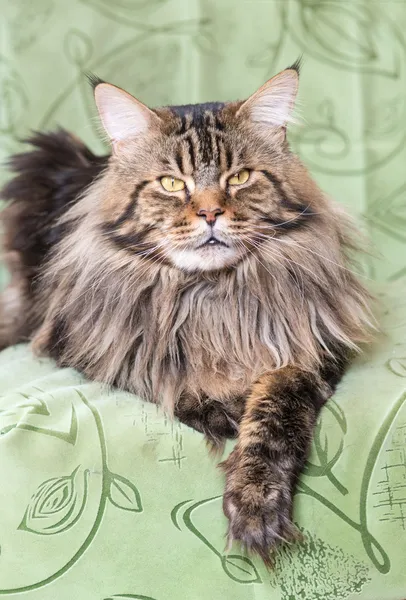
{"points": [[272, 105], [123, 116]]}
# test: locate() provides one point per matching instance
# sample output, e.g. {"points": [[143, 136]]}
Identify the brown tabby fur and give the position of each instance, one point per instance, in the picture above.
{"points": [[251, 348]]}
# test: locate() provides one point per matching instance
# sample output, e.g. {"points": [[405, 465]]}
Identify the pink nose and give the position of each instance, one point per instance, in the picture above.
{"points": [[210, 215]]}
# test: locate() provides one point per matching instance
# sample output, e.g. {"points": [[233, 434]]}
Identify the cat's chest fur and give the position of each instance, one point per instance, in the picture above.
{"points": [[162, 333], [210, 340]]}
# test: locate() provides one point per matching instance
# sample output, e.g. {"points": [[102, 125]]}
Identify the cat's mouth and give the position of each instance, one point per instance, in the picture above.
{"points": [[212, 242], [210, 255]]}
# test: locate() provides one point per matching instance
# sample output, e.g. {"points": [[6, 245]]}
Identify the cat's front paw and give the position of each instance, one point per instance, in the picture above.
{"points": [[258, 504]]}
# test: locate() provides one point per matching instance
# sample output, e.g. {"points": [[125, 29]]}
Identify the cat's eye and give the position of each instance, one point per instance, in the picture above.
{"points": [[172, 184], [239, 178]]}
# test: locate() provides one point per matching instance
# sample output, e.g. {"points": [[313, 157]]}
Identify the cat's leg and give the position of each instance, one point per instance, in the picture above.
{"points": [[273, 443], [216, 419]]}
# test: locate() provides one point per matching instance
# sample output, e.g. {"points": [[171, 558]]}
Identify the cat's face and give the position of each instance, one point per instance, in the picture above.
{"points": [[201, 186]]}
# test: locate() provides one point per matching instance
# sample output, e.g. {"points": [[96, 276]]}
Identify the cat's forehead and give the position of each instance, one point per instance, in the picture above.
{"points": [[202, 133], [199, 116]]}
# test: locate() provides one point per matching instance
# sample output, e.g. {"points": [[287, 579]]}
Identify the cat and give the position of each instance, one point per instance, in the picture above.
{"points": [[198, 266]]}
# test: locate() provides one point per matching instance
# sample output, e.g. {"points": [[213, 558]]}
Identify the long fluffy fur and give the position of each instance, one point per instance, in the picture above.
{"points": [[47, 180], [151, 327], [158, 331], [247, 337]]}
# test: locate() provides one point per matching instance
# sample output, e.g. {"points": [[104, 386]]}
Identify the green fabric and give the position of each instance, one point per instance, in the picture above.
{"points": [[101, 496], [352, 90]]}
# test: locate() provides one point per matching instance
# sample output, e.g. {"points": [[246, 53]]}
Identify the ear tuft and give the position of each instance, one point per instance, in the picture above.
{"points": [[93, 79], [122, 115], [272, 105], [297, 65]]}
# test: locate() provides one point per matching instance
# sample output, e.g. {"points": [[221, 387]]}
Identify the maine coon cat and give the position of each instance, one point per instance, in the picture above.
{"points": [[198, 266]]}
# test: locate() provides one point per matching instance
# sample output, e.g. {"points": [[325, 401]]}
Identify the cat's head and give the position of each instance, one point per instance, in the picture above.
{"points": [[201, 186]]}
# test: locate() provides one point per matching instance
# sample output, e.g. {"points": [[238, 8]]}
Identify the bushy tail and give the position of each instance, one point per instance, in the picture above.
{"points": [[48, 179]]}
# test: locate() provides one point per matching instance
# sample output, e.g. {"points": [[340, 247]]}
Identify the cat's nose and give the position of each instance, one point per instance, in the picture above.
{"points": [[210, 215]]}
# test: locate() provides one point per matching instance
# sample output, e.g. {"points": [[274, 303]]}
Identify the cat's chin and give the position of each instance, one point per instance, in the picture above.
{"points": [[205, 258]]}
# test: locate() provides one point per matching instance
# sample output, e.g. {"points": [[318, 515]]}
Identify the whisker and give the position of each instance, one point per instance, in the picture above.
{"points": [[271, 253], [293, 218], [292, 242], [261, 263], [291, 263]]}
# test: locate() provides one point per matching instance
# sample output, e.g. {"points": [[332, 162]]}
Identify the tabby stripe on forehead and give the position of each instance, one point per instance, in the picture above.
{"points": [[209, 119], [129, 211], [179, 160], [218, 142], [229, 159], [183, 125], [215, 146], [191, 152], [219, 124], [205, 143]]}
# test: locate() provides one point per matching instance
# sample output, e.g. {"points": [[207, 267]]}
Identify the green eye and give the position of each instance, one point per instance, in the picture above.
{"points": [[239, 178], [171, 184]]}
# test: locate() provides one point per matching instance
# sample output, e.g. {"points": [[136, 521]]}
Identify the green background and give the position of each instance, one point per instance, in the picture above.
{"points": [[352, 93], [100, 495]]}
